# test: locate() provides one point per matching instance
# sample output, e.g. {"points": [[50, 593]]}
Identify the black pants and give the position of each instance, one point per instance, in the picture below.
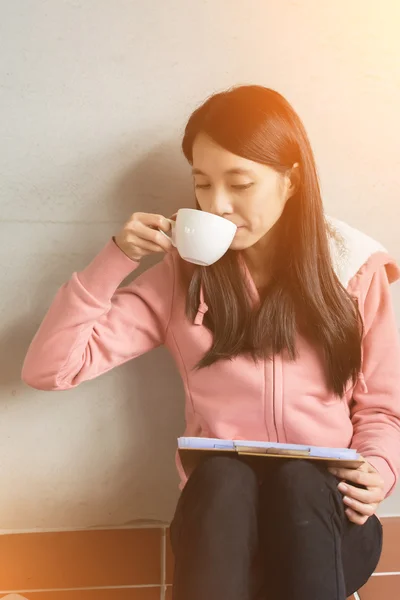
{"points": [[288, 526]]}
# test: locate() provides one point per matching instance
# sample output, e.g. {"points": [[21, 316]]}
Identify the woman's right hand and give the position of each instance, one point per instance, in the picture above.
{"points": [[141, 236]]}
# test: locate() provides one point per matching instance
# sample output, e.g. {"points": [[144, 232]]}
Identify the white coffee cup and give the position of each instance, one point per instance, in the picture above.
{"points": [[200, 237]]}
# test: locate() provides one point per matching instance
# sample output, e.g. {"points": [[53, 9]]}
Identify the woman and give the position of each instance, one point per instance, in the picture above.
{"points": [[290, 337]]}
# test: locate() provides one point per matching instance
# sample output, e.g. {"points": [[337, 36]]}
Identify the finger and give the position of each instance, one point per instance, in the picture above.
{"points": [[341, 472], [366, 465], [153, 236], [165, 224], [359, 507], [367, 478], [372, 494], [355, 517], [151, 220]]}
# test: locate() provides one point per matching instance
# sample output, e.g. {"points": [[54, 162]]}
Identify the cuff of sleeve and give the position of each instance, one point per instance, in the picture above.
{"points": [[384, 470], [106, 271]]}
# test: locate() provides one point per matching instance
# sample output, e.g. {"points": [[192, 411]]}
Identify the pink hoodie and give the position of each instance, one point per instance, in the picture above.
{"points": [[92, 327]]}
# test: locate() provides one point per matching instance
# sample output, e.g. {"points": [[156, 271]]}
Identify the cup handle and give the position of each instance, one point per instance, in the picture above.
{"points": [[171, 237]]}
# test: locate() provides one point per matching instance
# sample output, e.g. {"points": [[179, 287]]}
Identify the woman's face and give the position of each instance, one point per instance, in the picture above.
{"points": [[249, 194]]}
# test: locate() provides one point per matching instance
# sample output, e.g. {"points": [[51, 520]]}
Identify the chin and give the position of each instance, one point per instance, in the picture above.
{"points": [[245, 239], [241, 244]]}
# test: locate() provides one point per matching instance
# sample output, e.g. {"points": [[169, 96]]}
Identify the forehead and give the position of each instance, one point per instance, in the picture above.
{"points": [[209, 157]]}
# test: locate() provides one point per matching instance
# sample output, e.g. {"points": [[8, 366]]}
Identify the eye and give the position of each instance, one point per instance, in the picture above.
{"points": [[203, 186], [244, 186]]}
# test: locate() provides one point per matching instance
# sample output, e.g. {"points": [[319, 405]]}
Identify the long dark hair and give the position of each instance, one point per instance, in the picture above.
{"points": [[304, 295]]}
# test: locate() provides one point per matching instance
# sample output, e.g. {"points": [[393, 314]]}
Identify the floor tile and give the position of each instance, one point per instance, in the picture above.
{"points": [[111, 594], [386, 587], [390, 559], [80, 559], [168, 593], [169, 559]]}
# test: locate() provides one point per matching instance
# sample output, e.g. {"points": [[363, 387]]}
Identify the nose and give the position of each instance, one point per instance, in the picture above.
{"points": [[220, 203]]}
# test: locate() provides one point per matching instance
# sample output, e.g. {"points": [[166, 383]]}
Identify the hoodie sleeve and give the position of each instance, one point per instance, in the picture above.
{"points": [[375, 410], [92, 326]]}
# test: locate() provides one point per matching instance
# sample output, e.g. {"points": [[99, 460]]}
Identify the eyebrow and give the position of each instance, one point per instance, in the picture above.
{"points": [[237, 171]]}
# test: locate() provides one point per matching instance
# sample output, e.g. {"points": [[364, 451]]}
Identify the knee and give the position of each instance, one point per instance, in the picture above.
{"points": [[302, 479], [222, 495], [225, 477]]}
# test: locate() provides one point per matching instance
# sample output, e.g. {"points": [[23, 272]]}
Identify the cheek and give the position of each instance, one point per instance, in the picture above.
{"points": [[264, 210], [257, 212]]}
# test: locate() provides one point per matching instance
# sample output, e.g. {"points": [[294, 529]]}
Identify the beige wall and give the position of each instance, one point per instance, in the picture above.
{"points": [[93, 98]]}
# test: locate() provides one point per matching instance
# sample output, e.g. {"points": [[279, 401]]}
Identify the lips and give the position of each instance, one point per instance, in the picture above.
{"points": [[238, 227]]}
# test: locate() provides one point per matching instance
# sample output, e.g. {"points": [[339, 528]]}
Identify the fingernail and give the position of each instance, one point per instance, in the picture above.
{"points": [[342, 487]]}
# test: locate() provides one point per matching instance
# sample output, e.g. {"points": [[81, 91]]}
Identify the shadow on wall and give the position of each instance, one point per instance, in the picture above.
{"points": [[153, 418], [160, 182]]}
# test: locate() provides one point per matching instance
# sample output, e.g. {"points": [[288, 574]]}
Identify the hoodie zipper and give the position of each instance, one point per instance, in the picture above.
{"points": [[273, 397], [269, 401]]}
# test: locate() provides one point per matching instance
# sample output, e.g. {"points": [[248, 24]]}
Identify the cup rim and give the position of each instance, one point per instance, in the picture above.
{"points": [[204, 212]]}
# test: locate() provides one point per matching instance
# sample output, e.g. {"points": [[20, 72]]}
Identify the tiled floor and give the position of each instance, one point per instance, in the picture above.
{"points": [[127, 564], [115, 564], [112, 594], [382, 588]]}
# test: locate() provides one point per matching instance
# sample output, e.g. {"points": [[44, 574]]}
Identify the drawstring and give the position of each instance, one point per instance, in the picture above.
{"points": [[203, 308], [361, 379], [362, 382], [201, 311]]}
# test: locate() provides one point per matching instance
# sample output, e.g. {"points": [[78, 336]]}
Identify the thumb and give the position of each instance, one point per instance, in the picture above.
{"points": [[165, 224], [366, 466]]}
